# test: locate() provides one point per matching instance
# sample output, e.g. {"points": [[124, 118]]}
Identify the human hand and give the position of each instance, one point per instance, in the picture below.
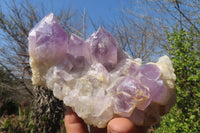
{"points": [[74, 124]]}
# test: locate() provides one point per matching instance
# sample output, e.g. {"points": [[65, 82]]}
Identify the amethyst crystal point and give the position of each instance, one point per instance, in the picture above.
{"points": [[104, 47], [48, 41], [97, 78], [78, 47], [47, 46], [78, 52]]}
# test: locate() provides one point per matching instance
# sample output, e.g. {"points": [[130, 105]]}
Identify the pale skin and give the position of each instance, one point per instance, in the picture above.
{"points": [[74, 124]]}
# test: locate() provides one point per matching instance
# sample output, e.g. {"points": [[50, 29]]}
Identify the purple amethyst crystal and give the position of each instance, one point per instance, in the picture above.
{"points": [[149, 75], [125, 92], [78, 51], [48, 41], [150, 71], [78, 47], [97, 78], [104, 47]]}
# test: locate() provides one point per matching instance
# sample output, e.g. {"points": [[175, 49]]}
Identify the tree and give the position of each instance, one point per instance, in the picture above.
{"points": [[159, 16], [7, 103], [139, 38], [185, 12], [15, 26], [185, 116]]}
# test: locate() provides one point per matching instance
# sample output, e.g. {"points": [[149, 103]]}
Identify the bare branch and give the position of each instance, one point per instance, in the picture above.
{"points": [[192, 24]]}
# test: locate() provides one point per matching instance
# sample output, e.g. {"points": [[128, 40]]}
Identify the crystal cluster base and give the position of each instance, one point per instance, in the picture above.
{"points": [[97, 78]]}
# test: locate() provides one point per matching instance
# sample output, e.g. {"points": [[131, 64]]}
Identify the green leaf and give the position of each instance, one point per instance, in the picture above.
{"points": [[20, 113]]}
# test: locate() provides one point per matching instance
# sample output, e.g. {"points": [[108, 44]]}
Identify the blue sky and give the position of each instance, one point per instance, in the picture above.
{"points": [[97, 10], [105, 9]]}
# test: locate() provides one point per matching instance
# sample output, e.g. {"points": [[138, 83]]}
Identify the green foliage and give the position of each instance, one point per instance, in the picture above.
{"points": [[17, 123], [185, 115], [22, 123]]}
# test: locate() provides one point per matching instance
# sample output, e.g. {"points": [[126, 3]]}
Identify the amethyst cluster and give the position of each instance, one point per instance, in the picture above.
{"points": [[97, 78]]}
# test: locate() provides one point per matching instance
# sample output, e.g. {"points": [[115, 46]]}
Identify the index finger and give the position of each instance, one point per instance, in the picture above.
{"points": [[73, 123]]}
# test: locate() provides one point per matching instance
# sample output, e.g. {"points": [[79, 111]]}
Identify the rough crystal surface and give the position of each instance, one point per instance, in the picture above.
{"points": [[98, 79]]}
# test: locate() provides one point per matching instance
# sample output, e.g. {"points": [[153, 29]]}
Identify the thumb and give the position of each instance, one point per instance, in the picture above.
{"points": [[120, 125]]}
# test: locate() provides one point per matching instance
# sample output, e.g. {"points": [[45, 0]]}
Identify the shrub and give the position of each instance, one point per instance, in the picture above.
{"points": [[185, 115]]}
